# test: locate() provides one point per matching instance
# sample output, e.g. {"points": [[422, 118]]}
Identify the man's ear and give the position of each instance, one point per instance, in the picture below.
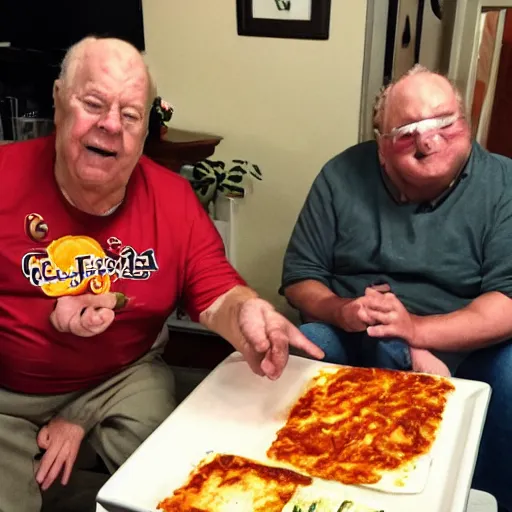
{"points": [[57, 88], [57, 99]]}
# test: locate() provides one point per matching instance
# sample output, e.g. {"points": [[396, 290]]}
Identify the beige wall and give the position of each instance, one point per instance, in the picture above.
{"points": [[287, 105]]}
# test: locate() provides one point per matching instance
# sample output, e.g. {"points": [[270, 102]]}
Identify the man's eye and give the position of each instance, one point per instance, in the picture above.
{"points": [[93, 105], [130, 116], [406, 136]]}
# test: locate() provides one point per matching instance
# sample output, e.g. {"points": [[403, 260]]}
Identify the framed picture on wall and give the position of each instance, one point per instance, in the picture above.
{"points": [[292, 19]]}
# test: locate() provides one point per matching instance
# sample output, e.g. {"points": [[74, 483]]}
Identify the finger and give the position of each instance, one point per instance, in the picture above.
{"points": [[298, 340], [102, 300], [381, 317], [68, 465], [46, 463], [276, 358], [382, 288], [363, 316], [91, 322], [383, 331], [267, 366], [59, 318], [57, 467], [253, 359], [43, 438], [375, 294], [253, 326], [380, 303], [67, 307], [374, 291], [94, 319], [77, 328]]}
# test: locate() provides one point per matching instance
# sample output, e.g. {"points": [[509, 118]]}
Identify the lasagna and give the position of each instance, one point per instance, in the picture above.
{"points": [[229, 483], [352, 425]]}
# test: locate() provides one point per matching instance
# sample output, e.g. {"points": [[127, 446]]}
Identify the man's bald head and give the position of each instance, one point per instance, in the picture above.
{"points": [[91, 47], [417, 90]]}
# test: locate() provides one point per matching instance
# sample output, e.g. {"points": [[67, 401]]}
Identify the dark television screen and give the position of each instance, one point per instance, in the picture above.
{"points": [[56, 24]]}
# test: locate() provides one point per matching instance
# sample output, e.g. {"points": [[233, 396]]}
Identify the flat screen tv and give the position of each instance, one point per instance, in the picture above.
{"points": [[54, 25]]}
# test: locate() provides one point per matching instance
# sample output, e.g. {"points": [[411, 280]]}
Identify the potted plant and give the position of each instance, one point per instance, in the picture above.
{"points": [[210, 178]]}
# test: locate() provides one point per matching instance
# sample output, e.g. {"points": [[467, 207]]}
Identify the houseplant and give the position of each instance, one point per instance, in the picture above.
{"points": [[211, 178]]}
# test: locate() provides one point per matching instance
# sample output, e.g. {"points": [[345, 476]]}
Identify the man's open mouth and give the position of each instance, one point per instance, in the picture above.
{"points": [[101, 151]]}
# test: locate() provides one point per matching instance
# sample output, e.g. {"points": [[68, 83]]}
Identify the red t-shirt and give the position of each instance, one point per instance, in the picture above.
{"points": [[157, 247]]}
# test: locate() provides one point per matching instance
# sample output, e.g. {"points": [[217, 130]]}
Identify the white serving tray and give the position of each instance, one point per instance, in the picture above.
{"points": [[234, 411]]}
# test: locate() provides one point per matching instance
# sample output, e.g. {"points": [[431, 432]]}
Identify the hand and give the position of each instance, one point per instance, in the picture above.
{"points": [[84, 315], [267, 336], [355, 316], [389, 318], [61, 439]]}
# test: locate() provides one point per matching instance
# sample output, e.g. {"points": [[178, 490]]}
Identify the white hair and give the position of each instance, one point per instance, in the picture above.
{"points": [[75, 53]]}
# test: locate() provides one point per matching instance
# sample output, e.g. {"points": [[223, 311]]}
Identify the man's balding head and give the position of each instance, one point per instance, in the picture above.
{"points": [[102, 104], [415, 86], [105, 48]]}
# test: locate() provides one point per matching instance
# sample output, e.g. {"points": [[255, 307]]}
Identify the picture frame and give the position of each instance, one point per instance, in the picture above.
{"points": [[291, 19]]}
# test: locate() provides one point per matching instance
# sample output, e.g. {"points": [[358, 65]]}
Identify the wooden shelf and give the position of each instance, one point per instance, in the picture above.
{"points": [[180, 147]]}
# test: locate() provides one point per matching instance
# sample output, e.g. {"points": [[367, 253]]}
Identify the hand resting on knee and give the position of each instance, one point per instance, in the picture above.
{"points": [[60, 440]]}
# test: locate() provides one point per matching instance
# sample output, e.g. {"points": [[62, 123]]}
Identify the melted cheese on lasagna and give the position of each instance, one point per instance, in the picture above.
{"points": [[353, 424], [229, 483]]}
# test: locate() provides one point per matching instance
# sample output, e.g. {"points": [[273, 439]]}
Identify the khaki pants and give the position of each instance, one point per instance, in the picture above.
{"points": [[119, 415]]}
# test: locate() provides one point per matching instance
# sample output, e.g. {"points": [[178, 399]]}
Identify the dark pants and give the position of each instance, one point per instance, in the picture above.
{"points": [[493, 472]]}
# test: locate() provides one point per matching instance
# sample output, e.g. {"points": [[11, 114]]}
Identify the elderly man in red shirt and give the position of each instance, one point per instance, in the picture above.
{"points": [[97, 245]]}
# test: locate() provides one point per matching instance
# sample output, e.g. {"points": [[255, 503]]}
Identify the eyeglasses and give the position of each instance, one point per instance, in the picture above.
{"points": [[405, 136]]}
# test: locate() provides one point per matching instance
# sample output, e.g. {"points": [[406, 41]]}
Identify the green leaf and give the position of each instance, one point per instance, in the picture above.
{"points": [[232, 189], [236, 169], [214, 164], [205, 182], [198, 173], [236, 178], [200, 170], [256, 173], [256, 169]]}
